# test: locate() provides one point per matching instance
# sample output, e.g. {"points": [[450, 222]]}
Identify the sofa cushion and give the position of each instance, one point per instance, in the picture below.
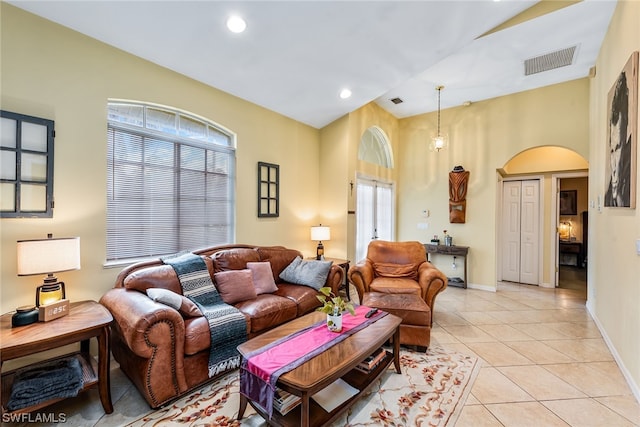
{"points": [[395, 285], [267, 311], [196, 335], [279, 257], [309, 273], [159, 276], [262, 277], [305, 297], [184, 305], [233, 259], [235, 285], [384, 269]]}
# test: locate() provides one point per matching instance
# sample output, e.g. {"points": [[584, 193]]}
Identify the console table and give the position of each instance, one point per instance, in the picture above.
{"points": [[572, 249], [455, 250]]}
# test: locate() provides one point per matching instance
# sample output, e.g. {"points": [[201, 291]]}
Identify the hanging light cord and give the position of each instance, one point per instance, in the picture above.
{"points": [[439, 89]]}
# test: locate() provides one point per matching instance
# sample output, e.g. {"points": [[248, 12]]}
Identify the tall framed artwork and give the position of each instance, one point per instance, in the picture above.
{"points": [[268, 190], [622, 136]]}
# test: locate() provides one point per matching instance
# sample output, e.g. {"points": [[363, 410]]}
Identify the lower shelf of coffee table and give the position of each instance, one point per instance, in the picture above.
{"points": [[317, 415]]}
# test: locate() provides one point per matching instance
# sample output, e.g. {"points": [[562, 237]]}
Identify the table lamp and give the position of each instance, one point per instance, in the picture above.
{"points": [[565, 231], [48, 256], [320, 233]]}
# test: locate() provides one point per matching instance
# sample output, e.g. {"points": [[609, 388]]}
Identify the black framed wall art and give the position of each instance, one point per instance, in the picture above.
{"points": [[569, 202], [26, 166], [268, 190], [621, 146]]}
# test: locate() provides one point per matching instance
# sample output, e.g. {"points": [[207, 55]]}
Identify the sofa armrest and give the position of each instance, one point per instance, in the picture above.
{"points": [[335, 278], [361, 275], [151, 330], [432, 281]]}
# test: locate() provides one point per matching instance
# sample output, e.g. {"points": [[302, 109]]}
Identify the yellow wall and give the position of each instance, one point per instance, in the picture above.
{"points": [[483, 138], [340, 165], [52, 72], [334, 186], [614, 284]]}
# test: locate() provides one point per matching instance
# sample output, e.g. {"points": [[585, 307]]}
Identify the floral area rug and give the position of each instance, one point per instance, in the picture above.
{"points": [[430, 391]]}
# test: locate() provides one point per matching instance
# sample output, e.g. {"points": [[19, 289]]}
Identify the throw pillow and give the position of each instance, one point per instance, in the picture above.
{"points": [[184, 305], [235, 285], [309, 273], [262, 277], [396, 270]]}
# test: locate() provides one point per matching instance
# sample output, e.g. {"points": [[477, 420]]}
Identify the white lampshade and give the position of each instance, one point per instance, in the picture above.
{"points": [[43, 256], [320, 232]]}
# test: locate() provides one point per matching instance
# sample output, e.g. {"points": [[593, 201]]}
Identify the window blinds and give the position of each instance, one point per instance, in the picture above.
{"points": [[166, 195]]}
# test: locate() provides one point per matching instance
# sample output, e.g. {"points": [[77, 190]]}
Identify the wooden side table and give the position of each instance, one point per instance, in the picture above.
{"points": [[86, 320], [344, 264], [454, 250]]}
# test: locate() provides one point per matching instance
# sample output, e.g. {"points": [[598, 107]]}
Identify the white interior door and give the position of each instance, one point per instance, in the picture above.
{"points": [[374, 214], [521, 231], [529, 232], [511, 231]]}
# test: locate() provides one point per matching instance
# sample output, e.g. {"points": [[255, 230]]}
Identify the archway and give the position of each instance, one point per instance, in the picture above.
{"points": [[551, 165]]}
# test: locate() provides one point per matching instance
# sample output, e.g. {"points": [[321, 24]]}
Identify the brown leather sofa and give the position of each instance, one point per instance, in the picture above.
{"points": [[396, 277], [164, 351]]}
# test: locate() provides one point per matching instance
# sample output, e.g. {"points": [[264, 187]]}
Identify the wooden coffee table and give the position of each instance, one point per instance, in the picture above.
{"points": [[339, 361]]}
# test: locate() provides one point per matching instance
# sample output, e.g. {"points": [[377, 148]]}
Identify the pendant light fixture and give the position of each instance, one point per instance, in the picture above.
{"points": [[438, 142]]}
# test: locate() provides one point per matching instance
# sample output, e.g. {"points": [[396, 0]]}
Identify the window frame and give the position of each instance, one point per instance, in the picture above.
{"points": [[18, 182], [221, 143], [268, 190]]}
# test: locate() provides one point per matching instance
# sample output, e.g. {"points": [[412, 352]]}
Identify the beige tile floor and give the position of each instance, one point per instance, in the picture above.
{"points": [[545, 364]]}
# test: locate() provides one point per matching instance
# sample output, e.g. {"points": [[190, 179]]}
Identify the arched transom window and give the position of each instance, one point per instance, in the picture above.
{"points": [[374, 148]]}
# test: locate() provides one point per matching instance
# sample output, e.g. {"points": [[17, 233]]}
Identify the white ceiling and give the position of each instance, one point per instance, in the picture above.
{"points": [[296, 56]]}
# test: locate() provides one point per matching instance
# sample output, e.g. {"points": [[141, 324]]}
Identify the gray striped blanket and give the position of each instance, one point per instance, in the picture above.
{"points": [[227, 325]]}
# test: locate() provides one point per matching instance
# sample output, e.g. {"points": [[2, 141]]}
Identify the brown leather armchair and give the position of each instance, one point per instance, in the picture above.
{"points": [[398, 268]]}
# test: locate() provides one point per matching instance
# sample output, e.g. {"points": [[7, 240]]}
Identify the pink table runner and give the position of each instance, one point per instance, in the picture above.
{"points": [[261, 368]]}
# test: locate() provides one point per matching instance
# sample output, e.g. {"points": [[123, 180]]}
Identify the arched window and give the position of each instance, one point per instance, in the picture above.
{"points": [[170, 183], [374, 148]]}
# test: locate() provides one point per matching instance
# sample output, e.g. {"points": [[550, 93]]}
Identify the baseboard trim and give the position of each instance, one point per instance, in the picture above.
{"points": [[482, 287], [635, 389]]}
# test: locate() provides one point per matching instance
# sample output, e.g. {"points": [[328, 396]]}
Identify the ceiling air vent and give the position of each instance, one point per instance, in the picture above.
{"points": [[549, 61], [397, 101]]}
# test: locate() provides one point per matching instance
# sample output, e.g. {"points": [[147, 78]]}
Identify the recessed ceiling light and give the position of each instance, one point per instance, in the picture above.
{"points": [[236, 24], [345, 93]]}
